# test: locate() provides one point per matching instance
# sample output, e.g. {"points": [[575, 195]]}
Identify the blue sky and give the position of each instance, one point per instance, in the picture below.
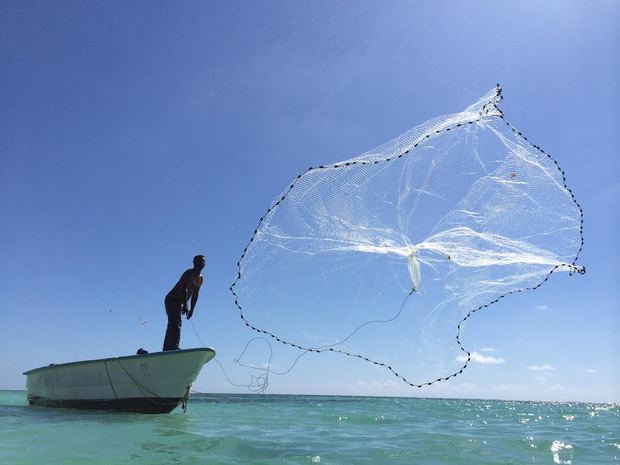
{"points": [[137, 134]]}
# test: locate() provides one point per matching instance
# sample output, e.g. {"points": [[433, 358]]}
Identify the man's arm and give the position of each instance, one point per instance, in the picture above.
{"points": [[184, 281], [194, 300], [186, 278]]}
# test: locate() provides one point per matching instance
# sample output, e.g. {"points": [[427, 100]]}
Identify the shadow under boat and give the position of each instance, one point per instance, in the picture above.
{"points": [[151, 383]]}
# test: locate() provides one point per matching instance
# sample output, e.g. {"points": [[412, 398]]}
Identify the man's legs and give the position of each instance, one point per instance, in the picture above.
{"points": [[173, 331]]}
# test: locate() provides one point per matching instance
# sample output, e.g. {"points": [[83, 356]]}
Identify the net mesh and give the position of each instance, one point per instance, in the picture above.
{"points": [[385, 256]]}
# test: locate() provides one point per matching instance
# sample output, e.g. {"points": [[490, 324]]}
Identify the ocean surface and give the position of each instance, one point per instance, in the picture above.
{"points": [[272, 429]]}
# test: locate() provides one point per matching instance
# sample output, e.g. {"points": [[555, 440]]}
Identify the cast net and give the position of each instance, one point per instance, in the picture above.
{"points": [[384, 257]]}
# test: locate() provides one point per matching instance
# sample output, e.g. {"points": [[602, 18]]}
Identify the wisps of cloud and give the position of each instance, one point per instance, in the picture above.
{"points": [[545, 367], [488, 349], [479, 358], [590, 370], [542, 307], [377, 383], [543, 372]]}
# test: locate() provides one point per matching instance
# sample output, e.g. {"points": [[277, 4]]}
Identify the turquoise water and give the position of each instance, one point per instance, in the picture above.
{"points": [[270, 429]]}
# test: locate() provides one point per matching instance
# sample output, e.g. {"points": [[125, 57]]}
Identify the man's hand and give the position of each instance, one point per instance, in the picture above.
{"points": [[189, 314], [184, 310]]}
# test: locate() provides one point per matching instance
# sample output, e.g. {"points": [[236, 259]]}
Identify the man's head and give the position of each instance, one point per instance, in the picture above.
{"points": [[199, 262]]}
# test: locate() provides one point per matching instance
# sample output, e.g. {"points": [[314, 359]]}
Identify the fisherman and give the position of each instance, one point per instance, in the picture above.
{"points": [[176, 302]]}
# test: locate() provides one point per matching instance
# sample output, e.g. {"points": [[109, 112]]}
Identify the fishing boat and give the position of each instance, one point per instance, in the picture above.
{"points": [[150, 383]]}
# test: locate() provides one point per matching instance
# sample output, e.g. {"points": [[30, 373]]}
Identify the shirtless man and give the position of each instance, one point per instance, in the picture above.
{"points": [[176, 302]]}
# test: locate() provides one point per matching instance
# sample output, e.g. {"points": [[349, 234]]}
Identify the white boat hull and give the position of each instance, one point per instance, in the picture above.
{"points": [[150, 383]]}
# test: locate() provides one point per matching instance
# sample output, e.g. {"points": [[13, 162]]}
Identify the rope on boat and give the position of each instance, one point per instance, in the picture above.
{"points": [[184, 399], [105, 363]]}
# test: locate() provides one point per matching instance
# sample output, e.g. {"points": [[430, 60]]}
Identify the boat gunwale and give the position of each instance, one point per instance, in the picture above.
{"points": [[123, 357]]}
